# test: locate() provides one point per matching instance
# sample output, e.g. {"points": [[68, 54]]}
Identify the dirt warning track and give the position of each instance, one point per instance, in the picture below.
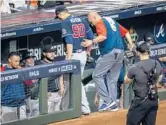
{"points": [[112, 118]]}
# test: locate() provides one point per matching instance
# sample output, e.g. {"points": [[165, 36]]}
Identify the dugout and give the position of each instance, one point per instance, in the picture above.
{"points": [[26, 31]]}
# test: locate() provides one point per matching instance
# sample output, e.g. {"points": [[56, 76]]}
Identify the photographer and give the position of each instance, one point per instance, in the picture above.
{"points": [[145, 74]]}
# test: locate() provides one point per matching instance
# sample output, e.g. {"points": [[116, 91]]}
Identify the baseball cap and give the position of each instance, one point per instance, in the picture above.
{"points": [[142, 47], [148, 37], [60, 9], [48, 48], [27, 55]]}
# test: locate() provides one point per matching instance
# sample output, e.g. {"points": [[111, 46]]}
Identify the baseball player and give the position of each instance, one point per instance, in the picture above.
{"points": [[74, 31], [31, 87], [111, 56], [13, 94], [55, 83]]}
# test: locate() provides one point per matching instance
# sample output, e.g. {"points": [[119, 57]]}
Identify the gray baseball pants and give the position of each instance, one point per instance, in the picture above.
{"points": [[108, 65]]}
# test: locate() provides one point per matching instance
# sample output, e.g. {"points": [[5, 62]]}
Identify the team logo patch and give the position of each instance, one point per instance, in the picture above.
{"points": [[160, 32]]}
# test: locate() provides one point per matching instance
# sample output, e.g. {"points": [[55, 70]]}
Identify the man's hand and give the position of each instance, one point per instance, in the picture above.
{"points": [[158, 85], [61, 91], [131, 47], [86, 43], [88, 50], [131, 44], [68, 57], [164, 85], [96, 101]]}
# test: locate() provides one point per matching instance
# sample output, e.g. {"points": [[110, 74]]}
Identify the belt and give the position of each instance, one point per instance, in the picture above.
{"points": [[78, 51], [115, 50], [53, 90]]}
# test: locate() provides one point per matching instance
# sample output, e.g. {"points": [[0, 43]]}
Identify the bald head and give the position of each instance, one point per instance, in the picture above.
{"points": [[94, 17], [93, 13]]}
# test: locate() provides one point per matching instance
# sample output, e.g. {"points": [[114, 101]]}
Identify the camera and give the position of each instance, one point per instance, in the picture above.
{"points": [[152, 79], [129, 58]]}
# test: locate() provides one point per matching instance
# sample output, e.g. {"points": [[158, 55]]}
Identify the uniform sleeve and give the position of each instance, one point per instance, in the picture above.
{"points": [[67, 33], [28, 82], [101, 29], [69, 39], [123, 30], [89, 32], [131, 72], [66, 30]]}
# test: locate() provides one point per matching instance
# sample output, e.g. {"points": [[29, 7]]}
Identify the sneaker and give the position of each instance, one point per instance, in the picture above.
{"points": [[105, 106], [85, 114], [113, 108]]}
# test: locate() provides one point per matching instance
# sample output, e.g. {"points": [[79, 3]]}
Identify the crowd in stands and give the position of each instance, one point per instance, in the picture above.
{"points": [[10, 6]]}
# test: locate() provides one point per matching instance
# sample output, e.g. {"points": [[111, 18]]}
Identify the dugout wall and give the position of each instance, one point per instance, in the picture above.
{"points": [[21, 32]]}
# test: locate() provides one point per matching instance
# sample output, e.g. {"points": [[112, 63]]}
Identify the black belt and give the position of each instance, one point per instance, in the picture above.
{"points": [[53, 90]]}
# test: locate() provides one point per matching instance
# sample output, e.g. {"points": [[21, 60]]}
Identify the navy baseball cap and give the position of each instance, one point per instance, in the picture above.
{"points": [[60, 9], [48, 48], [27, 55]]}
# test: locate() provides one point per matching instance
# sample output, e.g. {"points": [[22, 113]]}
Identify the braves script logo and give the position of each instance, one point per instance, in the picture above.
{"points": [[160, 32]]}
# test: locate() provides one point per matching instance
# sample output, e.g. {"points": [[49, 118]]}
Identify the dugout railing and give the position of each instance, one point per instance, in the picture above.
{"points": [[41, 72]]}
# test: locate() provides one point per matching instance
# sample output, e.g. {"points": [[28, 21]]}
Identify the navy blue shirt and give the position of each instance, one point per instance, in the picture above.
{"points": [[12, 94], [74, 30], [53, 82]]}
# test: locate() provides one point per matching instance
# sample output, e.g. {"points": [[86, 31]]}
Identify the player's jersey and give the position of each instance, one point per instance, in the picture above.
{"points": [[12, 94], [74, 30], [113, 32]]}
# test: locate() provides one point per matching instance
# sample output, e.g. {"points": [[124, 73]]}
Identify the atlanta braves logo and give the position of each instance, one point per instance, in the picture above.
{"points": [[160, 32]]}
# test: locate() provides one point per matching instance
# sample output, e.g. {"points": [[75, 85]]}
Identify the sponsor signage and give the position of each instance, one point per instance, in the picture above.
{"points": [[41, 71]]}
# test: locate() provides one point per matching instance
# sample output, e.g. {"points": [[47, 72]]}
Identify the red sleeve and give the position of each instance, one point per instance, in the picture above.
{"points": [[100, 29], [2, 69], [123, 30], [28, 82]]}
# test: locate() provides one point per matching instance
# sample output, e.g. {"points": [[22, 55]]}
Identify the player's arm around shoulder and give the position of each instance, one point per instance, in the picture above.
{"points": [[101, 35], [89, 36]]}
